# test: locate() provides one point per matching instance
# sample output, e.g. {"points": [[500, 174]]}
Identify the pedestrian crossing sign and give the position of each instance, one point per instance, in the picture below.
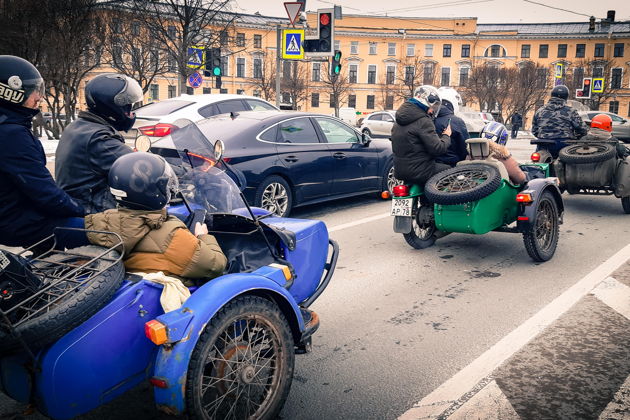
{"points": [[195, 57], [292, 47], [598, 85]]}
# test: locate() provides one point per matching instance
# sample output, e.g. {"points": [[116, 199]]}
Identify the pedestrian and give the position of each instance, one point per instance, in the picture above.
{"points": [[557, 121], [31, 204], [415, 143], [152, 240], [451, 100], [90, 144], [517, 122]]}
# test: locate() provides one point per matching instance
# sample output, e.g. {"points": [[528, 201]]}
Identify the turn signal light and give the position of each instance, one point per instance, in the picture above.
{"points": [[401, 190], [535, 157], [158, 130], [524, 198], [156, 332], [385, 195]]}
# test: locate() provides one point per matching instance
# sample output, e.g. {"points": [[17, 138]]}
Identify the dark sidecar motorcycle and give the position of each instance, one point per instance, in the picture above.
{"points": [[77, 331]]}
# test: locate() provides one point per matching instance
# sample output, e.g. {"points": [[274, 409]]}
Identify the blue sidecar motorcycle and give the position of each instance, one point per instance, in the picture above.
{"points": [[77, 331]]}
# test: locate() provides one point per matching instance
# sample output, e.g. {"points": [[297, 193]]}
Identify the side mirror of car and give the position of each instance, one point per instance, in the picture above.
{"points": [[365, 139], [624, 121]]}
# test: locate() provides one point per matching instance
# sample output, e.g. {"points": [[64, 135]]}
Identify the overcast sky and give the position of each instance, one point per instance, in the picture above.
{"points": [[487, 11]]}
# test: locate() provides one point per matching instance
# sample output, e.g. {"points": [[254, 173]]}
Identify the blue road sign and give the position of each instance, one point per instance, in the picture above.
{"points": [[598, 85], [195, 80], [195, 57], [292, 47]]}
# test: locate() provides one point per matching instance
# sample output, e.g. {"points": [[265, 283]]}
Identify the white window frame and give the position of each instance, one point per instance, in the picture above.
{"points": [[391, 45], [428, 50], [450, 73], [611, 77], [253, 67], [388, 66], [367, 80], [337, 44], [356, 72], [413, 50], [354, 47], [459, 74], [319, 79], [373, 48], [244, 66]]}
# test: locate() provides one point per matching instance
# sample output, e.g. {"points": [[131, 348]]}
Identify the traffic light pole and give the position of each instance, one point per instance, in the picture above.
{"points": [[278, 48]]}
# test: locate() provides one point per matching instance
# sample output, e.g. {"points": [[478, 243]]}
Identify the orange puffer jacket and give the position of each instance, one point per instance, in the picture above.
{"points": [[154, 241]]}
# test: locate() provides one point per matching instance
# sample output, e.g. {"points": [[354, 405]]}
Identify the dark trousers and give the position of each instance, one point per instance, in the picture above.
{"points": [[515, 130]]}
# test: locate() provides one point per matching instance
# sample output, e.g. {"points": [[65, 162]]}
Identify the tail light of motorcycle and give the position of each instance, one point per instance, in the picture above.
{"points": [[524, 198], [158, 130], [535, 157], [401, 190], [156, 332], [158, 382]]}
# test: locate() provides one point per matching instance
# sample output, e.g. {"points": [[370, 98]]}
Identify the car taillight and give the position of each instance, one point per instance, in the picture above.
{"points": [[535, 157], [401, 190], [158, 130]]}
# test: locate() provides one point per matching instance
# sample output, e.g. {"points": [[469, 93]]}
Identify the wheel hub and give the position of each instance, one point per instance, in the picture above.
{"points": [[248, 373]]}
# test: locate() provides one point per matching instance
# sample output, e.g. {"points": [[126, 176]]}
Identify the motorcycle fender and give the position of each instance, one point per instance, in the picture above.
{"points": [[527, 213], [173, 359], [402, 224]]}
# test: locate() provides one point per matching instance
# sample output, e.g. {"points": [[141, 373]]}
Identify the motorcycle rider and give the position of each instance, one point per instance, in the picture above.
{"points": [[90, 144], [143, 184], [415, 143], [601, 130], [557, 121], [31, 204], [451, 101], [497, 132]]}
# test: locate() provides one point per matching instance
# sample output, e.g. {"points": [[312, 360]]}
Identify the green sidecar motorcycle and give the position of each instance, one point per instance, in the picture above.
{"points": [[477, 197]]}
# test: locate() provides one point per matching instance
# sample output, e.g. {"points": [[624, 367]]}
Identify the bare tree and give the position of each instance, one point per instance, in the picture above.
{"points": [[387, 91], [529, 86], [294, 82], [338, 86], [413, 72], [264, 76]]}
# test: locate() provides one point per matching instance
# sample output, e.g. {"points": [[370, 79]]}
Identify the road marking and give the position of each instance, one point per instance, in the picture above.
{"points": [[447, 394], [358, 222], [614, 294]]}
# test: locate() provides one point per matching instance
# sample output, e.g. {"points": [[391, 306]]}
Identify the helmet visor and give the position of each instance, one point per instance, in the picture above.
{"points": [[130, 93]]}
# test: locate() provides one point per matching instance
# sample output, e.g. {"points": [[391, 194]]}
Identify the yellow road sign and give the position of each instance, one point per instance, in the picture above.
{"points": [[292, 44]]}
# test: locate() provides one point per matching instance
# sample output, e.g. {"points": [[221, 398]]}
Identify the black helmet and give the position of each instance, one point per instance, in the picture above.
{"points": [[112, 97], [18, 79], [560, 91], [142, 181]]}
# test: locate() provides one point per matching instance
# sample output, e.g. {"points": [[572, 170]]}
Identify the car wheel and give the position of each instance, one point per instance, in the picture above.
{"points": [[587, 153], [541, 238], [625, 202], [423, 228], [242, 366], [367, 131], [389, 180], [462, 184], [275, 196]]}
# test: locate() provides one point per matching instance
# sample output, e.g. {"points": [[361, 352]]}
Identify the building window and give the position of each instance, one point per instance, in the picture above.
{"points": [[224, 66], [541, 78], [190, 91], [599, 50], [409, 72], [352, 73], [240, 67], [286, 69], [172, 91], [171, 64], [411, 50], [155, 92], [352, 101], [285, 97], [578, 76], [562, 50], [223, 91], [332, 101], [391, 75], [463, 76], [543, 51], [525, 50], [240, 91], [337, 44], [172, 32], [315, 100], [257, 93], [446, 76], [427, 75], [618, 50], [428, 50], [598, 72], [223, 38], [116, 26], [135, 28], [580, 50], [389, 102], [317, 72], [257, 41], [446, 50], [257, 68], [371, 74], [372, 48], [354, 47], [615, 80], [465, 50], [240, 39], [391, 48], [495, 51], [613, 106], [206, 91], [370, 102]]}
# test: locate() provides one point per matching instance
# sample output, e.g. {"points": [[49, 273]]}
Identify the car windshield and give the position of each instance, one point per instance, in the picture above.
{"points": [[162, 108], [205, 182]]}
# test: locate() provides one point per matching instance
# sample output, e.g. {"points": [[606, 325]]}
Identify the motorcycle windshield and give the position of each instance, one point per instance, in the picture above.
{"points": [[204, 181]]}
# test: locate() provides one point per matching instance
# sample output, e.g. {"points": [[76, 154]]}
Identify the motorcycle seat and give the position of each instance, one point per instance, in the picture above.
{"points": [[479, 152]]}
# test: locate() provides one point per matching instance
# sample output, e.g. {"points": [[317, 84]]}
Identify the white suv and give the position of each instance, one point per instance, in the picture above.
{"points": [[156, 119], [378, 124]]}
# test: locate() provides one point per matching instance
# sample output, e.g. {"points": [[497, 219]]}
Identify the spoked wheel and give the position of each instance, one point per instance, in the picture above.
{"points": [[541, 239], [242, 366], [463, 184], [274, 195], [390, 181], [587, 153], [423, 228], [625, 202]]}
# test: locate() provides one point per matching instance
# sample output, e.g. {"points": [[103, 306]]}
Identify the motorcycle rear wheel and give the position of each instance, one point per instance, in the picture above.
{"points": [[422, 234]]}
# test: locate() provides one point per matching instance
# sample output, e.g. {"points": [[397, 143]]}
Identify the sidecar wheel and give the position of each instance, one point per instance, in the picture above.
{"points": [[422, 234], [587, 153], [541, 239], [625, 202], [275, 196], [242, 366], [462, 184]]}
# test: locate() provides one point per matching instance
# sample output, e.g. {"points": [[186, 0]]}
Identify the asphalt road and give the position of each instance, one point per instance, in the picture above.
{"points": [[398, 322]]}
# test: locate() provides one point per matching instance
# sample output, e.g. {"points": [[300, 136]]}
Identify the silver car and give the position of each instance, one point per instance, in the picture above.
{"points": [[378, 124], [620, 129]]}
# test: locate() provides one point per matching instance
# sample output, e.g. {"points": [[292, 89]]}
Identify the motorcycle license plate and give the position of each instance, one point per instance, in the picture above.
{"points": [[402, 206]]}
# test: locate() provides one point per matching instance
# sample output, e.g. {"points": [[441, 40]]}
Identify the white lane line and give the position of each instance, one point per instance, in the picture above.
{"points": [[358, 222], [614, 294], [466, 379]]}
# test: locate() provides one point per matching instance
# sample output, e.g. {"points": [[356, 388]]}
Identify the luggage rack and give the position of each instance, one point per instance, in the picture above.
{"points": [[43, 281]]}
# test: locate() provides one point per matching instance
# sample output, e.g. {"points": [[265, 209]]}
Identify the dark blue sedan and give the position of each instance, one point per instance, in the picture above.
{"points": [[291, 159]]}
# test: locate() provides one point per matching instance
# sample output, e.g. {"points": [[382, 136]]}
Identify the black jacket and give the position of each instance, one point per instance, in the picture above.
{"points": [[30, 201], [87, 149], [457, 150], [416, 144], [517, 120]]}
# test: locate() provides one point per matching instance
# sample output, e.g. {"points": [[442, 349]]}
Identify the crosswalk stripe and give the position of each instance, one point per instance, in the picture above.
{"points": [[614, 294]]}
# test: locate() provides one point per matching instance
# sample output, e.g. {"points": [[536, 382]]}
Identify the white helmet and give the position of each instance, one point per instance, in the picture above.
{"points": [[449, 94], [429, 97]]}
